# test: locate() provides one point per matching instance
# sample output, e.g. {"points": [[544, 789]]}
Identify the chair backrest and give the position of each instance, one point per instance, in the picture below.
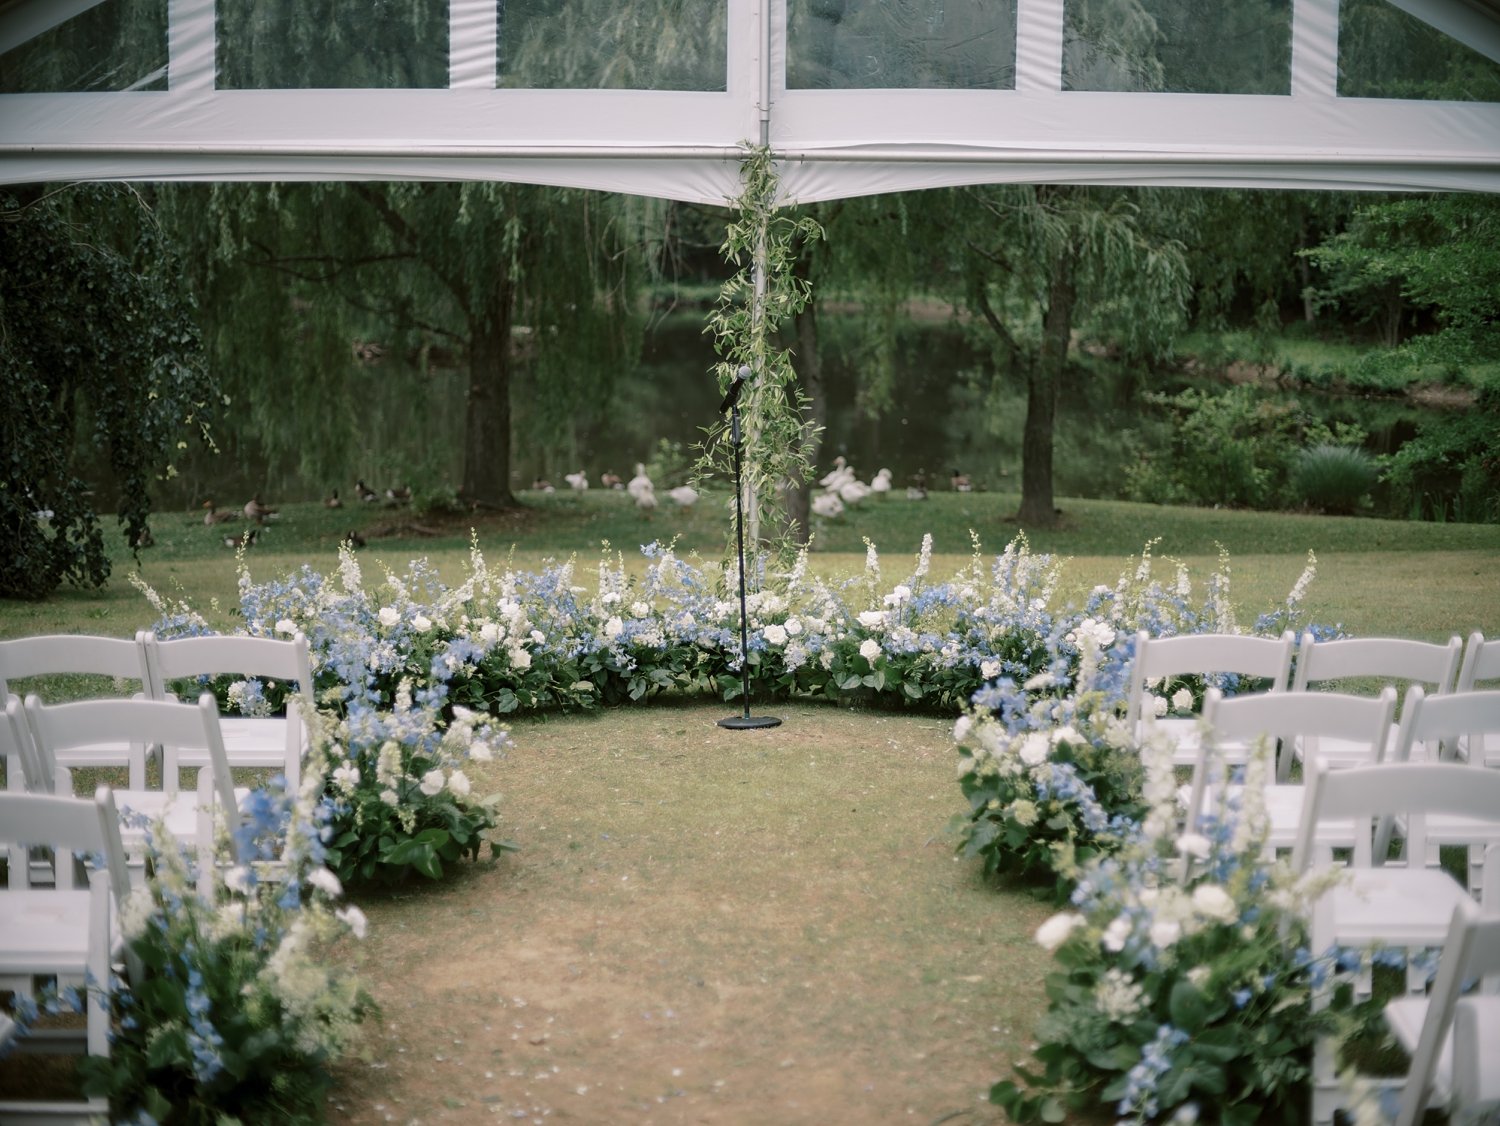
{"points": [[1267, 658], [15, 742], [1442, 720], [122, 658], [1241, 719], [171, 725], [82, 827], [1391, 658], [1471, 950], [1481, 662], [1367, 794]]}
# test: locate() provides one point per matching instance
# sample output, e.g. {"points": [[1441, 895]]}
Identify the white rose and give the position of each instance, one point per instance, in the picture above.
{"points": [[989, 669], [1164, 932], [537, 637], [432, 782], [1159, 706], [1116, 934], [388, 616], [1195, 845], [1182, 700], [793, 627], [1066, 734], [613, 628], [871, 619], [639, 609], [775, 635], [869, 649], [1054, 932], [421, 623], [520, 659], [1034, 749], [491, 632], [1213, 902], [458, 783]]}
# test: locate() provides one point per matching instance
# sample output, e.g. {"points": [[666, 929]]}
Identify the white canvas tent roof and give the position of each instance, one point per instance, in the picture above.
{"points": [[853, 97]]}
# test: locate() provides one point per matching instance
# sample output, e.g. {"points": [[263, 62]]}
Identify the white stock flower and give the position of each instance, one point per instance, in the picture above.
{"points": [[346, 777], [1195, 845], [869, 649], [326, 882], [775, 634], [136, 912], [1051, 934], [1182, 700], [1213, 902], [353, 918], [458, 783], [1067, 733], [390, 797], [961, 728], [388, 616], [639, 610], [432, 782]]}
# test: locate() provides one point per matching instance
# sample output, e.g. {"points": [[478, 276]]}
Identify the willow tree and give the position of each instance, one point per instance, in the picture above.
{"points": [[490, 274], [1040, 263], [103, 374]]}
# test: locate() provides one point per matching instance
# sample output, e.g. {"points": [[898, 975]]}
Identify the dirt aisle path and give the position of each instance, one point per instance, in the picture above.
{"points": [[705, 926]]}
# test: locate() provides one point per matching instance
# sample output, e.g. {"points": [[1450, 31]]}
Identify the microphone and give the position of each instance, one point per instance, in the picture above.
{"points": [[732, 396]]}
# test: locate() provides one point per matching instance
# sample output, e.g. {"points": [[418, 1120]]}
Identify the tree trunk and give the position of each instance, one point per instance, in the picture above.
{"points": [[1043, 379], [487, 421], [810, 375]]}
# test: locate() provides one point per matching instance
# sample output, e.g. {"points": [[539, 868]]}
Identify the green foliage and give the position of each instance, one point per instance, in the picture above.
{"points": [[761, 241], [1232, 448], [1451, 469], [100, 360], [1335, 479]]}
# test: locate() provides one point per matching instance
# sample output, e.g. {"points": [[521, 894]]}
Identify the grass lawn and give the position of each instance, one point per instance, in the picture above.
{"points": [[717, 926]]}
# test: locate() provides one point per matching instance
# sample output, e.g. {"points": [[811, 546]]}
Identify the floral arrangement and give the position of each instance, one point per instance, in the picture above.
{"points": [[1184, 986], [1052, 776], [398, 799]]}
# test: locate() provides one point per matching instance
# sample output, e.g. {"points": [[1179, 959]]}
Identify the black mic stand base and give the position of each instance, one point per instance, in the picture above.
{"points": [[741, 722]]}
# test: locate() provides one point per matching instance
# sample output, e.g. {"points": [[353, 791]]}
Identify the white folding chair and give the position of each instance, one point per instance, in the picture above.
{"points": [[1444, 721], [1241, 720], [1214, 656], [178, 729], [1377, 904], [64, 932], [1453, 1039], [1481, 665], [121, 658], [1358, 658], [263, 742]]}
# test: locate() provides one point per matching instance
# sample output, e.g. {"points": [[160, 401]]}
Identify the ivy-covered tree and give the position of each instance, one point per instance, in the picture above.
{"points": [[99, 356]]}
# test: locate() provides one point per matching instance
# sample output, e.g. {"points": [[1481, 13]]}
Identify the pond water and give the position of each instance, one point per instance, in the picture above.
{"points": [[946, 413]]}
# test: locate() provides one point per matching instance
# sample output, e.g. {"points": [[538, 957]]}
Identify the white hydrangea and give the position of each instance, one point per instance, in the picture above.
{"points": [[793, 627], [1213, 902], [613, 628], [519, 658], [1035, 748], [989, 670], [433, 782], [458, 783], [136, 912], [1182, 700]]}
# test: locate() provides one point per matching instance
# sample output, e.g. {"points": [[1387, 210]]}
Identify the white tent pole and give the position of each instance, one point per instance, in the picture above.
{"points": [[749, 496], [1039, 46]]}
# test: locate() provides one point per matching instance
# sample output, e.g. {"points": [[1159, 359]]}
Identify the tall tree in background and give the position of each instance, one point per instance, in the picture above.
{"points": [[485, 271], [99, 354], [1039, 263]]}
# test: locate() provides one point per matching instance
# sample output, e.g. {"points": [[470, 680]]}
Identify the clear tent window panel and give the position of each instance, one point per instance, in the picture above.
{"points": [[1386, 53], [1178, 46], [332, 44], [680, 45], [116, 45], [901, 44]]}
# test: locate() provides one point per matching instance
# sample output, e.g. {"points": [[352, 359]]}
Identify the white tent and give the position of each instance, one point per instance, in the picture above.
{"points": [[662, 97]]}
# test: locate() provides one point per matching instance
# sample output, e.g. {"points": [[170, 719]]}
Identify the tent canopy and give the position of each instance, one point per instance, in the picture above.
{"points": [[663, 97]]}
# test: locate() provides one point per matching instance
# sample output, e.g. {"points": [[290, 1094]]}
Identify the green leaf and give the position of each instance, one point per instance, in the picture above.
{"points": [[1186, 1006]]}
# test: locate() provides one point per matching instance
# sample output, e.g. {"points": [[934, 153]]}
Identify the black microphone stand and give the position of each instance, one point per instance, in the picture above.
{"points": [[731, 403]]}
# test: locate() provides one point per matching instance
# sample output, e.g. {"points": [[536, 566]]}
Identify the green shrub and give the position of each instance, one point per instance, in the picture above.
{"points": [[1451, 469], [1336, 479]]}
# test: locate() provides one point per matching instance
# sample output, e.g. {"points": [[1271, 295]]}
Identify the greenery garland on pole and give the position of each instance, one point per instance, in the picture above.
{"points": [[761, 241]]}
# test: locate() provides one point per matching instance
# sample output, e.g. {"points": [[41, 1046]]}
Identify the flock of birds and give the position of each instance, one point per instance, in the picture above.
{"points": [[840, 488], [640, 488], [257, 514]]}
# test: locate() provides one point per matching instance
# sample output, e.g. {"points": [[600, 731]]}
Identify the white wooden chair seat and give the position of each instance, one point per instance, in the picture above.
{"points": [[44, 931]]}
